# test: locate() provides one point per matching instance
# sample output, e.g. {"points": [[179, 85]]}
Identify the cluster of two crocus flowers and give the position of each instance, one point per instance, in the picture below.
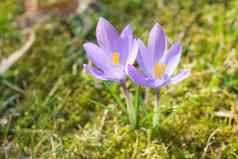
{"points": [[114, 55]]}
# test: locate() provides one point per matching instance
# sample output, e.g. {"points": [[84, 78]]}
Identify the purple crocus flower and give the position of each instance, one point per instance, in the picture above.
{"points": [[112, 53], [157, 64]]}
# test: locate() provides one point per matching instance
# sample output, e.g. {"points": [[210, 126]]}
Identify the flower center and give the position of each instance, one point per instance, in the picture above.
{"points": [[115, 58], [159, 70]]}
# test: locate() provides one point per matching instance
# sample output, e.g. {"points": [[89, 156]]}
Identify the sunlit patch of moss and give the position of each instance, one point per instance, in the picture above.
{"points": [[50, 108]]}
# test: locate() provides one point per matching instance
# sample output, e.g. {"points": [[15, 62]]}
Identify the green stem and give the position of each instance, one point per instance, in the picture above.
{"points": [[156, 109], [147, 92], [132, 112]]}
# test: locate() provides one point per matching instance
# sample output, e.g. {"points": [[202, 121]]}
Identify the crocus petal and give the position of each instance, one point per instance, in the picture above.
{"points": [[157, 42], [139, 78], [97, 55], [107, 36], [144, 59], [112, 75], [133, 53], [180, 76], [94, 71], [115, 73], [162, 82], [172, 58], [127, 31], [126, 44]]}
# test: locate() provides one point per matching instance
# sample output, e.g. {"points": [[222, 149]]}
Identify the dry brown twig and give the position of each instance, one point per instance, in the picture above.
{"points": [[209, 142], [229, 114], [34, 14], [6, 63]]}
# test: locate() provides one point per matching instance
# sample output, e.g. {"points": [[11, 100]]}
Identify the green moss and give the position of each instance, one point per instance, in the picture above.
{"points": [[50, 109]]}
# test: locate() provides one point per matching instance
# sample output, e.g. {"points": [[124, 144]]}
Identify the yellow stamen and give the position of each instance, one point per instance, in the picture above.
{"points": [[159, 70], [116, 58]]}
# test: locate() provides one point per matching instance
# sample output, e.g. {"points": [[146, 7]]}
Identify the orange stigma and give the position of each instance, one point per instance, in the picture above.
{"points": [[159, 70], [116, 58]]}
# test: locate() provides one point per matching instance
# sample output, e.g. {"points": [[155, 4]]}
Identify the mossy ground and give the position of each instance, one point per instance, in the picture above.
{"points": [[50, 109]]}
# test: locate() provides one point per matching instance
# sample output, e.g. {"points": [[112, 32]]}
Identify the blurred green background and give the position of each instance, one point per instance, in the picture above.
{"points": [[49, 108]]}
